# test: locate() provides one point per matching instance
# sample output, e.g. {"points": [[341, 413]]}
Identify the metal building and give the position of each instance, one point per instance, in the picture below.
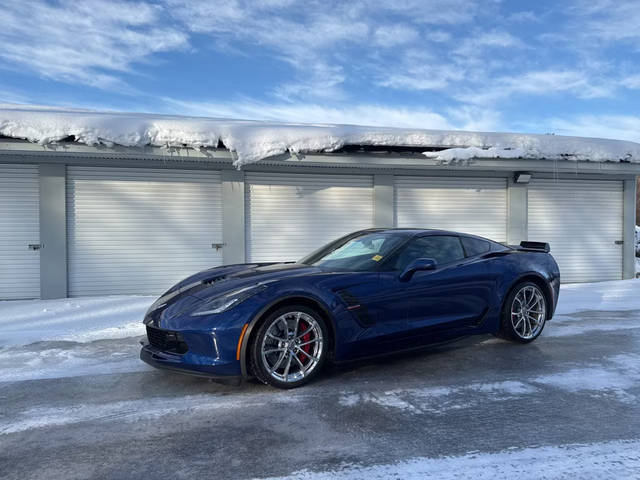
{"points": [[78, 220]]}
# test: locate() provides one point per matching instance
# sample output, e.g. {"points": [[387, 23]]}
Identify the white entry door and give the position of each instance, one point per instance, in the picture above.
{"points": [[19, 228]]}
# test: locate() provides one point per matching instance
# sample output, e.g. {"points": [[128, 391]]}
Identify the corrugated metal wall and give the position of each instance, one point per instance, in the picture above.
{"points": [[581, 220], [138, 230], [290, 215], [19, 227], [469, 205]]}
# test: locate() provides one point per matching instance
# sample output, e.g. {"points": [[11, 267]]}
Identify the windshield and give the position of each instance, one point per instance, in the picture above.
{"points": [[361, 253]]}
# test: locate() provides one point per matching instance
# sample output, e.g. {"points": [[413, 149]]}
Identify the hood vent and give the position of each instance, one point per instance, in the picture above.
{"points": [[211, 281]]}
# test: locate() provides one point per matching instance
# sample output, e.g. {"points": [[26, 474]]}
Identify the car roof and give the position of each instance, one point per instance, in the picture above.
{"points": [[418, 231]]}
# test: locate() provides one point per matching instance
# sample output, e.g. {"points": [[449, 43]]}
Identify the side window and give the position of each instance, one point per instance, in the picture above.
{"points": [[443, 249], [475, 246]]}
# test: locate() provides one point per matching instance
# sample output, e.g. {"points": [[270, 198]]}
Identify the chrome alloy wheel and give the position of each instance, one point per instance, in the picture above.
{"points": [[292, 346], [528, 312]]}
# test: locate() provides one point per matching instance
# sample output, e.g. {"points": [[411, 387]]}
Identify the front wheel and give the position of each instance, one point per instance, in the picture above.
{"points": [[290, 347], [524, 313]]}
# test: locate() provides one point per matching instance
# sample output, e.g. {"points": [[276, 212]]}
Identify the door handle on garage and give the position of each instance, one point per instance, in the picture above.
{"points": [[36, 246], [619, 242], [217, 246]]}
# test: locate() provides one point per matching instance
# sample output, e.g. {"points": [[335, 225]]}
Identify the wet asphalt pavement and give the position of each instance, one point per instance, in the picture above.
{"points": [[579, 383]]}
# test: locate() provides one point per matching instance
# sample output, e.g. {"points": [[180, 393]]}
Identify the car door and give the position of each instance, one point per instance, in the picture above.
{"points": [[453, 296]]}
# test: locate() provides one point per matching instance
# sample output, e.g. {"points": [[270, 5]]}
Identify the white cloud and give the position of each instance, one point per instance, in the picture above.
{"points": [[631, 82], [607, 20], [90, 42], [541, 83], [422, 77], [439, 36], [358, 114], [394, 35], [328, 54], [525, 16], [619, 127], [9, 95], [321, 40], [476, 44]]}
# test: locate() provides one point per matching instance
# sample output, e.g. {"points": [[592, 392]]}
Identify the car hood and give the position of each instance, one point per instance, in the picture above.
{"points": [[191, 292]]}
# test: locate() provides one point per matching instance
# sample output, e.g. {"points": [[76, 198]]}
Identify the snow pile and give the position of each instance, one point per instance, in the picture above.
{"points": [[79, 319], [618, 295], [252, 141]]}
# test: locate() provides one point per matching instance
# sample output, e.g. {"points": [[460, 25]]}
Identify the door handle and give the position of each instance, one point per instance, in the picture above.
{"points": [[217, 246], [619, 242], [36, 246]]}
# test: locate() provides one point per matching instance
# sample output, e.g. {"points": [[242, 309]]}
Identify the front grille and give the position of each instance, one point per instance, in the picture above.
{"points": [[166, 340]]}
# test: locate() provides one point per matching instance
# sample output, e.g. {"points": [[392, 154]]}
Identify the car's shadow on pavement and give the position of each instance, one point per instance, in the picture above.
{"points": [[464, 360], [388, 368]]}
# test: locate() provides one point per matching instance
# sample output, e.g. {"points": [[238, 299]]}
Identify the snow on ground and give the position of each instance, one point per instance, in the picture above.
{"points": [[96, 335], [70, 337], [69, 359], [253, 141], [613, 378], [619, 459], [611, 296], [133, 410], [74, 319]]}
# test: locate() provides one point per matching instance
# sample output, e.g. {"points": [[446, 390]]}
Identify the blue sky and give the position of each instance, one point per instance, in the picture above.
{"points": [[570, 67]]}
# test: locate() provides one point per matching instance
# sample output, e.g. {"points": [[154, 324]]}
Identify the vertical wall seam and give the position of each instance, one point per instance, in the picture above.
{"points": [[53, 231]]}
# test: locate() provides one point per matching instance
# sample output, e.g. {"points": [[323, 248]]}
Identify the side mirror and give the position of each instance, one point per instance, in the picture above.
{"points": [[417, 264]]}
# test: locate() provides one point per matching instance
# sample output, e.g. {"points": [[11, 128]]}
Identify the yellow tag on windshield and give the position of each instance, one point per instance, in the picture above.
{"points": [[376, 258]]}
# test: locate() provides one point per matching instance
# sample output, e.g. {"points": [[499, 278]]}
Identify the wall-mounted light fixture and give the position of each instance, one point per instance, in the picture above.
{"points": [[522, 177]]}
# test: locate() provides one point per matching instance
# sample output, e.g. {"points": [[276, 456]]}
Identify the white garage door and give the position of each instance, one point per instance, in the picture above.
{"points": [[582, 221], [139, 230], [468, 205], [289, 216], [19, 227]]}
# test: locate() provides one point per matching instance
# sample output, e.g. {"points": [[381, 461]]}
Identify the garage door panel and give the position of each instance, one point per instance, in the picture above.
{"points": [[581, 220], [469, 205], [289, 216], [140, 230], [19, 227]]}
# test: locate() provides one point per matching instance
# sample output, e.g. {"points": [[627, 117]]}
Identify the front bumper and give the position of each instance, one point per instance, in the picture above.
{"points": [[189, 363]]}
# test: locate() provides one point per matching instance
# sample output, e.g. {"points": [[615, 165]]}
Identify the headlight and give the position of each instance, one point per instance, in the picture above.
{"points": [[228, 300]]}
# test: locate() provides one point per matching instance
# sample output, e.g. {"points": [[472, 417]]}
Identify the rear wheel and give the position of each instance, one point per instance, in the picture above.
{"points": [[524, 313], [290, 347]]}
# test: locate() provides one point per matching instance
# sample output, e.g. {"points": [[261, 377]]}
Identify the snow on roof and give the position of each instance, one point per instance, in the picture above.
{"points": [[252, 141]]}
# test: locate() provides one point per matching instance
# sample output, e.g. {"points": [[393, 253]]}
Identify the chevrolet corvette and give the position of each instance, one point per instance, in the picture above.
{"points": [[368, 293]]}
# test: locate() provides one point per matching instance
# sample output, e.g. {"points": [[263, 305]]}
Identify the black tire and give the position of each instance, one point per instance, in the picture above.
{"points": [[261, 371], [508, 322]]}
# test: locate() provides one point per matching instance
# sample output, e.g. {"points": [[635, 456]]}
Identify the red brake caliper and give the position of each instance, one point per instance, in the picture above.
{"points": [[305, 338]]}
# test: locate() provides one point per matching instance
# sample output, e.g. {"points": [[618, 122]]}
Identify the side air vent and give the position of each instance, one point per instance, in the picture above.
{"points": [[354, 306]]}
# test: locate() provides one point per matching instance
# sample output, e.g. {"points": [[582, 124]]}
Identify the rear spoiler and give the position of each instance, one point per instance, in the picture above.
{"points": [[536, 246]]}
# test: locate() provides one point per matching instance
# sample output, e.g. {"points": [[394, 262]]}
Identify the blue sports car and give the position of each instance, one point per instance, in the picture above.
{"points": [[369, 293]]}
